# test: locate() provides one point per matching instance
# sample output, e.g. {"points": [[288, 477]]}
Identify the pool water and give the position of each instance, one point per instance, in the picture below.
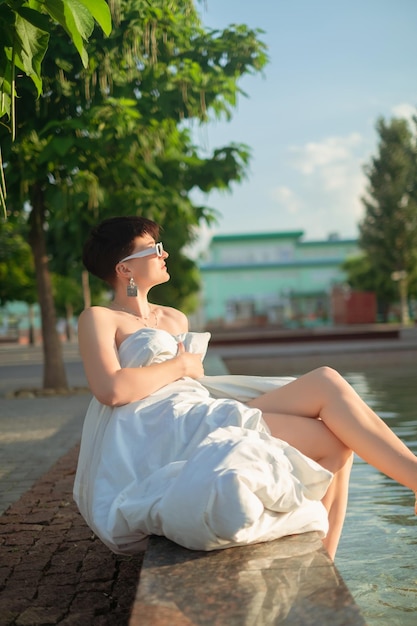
{"points": [[377, 555]]}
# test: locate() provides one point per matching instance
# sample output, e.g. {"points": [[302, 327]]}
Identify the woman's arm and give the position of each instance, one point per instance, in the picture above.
{"points": [[113, 385]]}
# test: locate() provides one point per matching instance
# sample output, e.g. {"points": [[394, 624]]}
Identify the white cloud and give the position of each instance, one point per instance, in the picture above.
{"points": [[286, 198], [332, 183], [315, 155], [405, 110]]}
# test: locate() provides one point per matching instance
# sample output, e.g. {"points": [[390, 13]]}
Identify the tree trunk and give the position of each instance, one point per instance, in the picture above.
{"points": [[31, 337], [54, 375]]}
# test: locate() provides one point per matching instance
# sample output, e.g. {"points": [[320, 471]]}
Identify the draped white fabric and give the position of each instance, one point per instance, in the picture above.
{"points": [[192, 462]]}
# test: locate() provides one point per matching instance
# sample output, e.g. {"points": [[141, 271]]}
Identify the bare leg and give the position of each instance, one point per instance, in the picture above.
{"points": [[335, 501], [325, 395], [315, 440]]}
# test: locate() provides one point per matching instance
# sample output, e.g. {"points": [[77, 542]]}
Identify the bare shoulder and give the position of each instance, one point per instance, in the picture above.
{"points": [[94, 313], [172, 320], [96, 321]]}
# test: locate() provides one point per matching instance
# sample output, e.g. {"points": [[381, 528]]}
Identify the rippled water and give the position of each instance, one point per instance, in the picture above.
{"points": [[377, 556]]}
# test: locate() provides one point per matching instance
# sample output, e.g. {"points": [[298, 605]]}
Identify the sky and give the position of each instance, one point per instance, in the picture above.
{"points": [[334, 68]]}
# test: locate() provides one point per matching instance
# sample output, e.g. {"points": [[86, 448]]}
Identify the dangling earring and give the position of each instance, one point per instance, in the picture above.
{"points": [[131, 289]]}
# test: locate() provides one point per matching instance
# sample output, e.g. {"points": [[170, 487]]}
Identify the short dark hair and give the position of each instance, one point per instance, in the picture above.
{"points": [[112, 240]]}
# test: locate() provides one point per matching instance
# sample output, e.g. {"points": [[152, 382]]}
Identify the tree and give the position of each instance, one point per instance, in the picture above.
{"points": [[388, 232], [113, 138], [17, 270], [360, 274], [16, 266], [25, 27]]}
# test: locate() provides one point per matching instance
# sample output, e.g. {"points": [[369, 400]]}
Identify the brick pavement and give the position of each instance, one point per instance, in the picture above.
{"points": [[35, 431], [34, 434], [52, 569]]}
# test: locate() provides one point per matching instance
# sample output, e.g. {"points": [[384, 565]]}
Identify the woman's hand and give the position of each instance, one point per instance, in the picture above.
{"points": [[191, 362]]}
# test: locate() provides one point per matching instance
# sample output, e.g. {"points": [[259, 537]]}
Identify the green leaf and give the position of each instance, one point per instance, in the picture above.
{"points": [[101, 13], [5, 102], [4, 65], [75, 18], [30, 48], [57, 146], [40, 20]]}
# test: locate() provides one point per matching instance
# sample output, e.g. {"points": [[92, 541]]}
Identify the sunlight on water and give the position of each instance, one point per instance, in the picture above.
{"points": [[377, 554]]}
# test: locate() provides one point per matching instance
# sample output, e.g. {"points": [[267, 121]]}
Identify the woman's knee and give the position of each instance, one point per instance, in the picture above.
{"points": [[327, 373], [330, 379]]}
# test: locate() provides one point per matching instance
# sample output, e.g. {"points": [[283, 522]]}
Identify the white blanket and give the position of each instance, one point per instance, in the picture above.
{"points": [[192, 462]]}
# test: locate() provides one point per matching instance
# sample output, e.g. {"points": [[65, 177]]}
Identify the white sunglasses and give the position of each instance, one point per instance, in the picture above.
{"points": [[158, 249]]}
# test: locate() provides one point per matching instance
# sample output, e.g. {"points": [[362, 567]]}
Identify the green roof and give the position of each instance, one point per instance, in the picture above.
{"points": [[292, 234], [302, 263]]}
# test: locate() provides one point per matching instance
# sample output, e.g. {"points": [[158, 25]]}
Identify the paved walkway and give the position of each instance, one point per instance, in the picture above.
{"points": [[35, 431]]}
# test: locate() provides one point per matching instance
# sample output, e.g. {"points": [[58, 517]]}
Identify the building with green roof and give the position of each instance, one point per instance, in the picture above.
{"points": [[274, 277]]}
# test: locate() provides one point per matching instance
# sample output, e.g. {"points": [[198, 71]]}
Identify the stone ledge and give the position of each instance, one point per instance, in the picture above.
{"points": [[287, 581]]}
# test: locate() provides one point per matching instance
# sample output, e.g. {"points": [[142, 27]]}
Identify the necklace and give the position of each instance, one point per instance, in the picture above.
{"points": [[143, 319]]}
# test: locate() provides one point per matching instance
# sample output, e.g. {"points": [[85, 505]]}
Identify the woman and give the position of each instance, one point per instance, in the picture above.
{"points": [[208, 461]]}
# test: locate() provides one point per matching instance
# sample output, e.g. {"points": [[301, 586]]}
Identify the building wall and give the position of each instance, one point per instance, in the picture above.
{"points": [[273, 276]]}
